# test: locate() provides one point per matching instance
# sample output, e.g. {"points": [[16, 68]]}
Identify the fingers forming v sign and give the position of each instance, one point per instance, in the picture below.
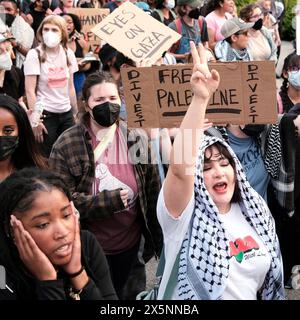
{"points": [[33, 258], [203, 81]]}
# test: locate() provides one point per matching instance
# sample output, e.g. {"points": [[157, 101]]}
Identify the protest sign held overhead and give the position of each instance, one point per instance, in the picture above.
{"points": [[89, 18], [158, 97], [135, 33]]}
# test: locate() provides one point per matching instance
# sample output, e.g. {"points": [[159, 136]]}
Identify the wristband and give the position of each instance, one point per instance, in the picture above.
{"points": [[73, 275]]}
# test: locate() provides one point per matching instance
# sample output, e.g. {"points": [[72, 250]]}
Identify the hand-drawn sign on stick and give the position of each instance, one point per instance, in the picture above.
{"points": [[135, 33]]}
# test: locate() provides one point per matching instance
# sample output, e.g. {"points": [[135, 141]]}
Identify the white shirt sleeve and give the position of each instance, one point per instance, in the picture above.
{"points": [[32, 63], [172, 226], [73, 62], [174, 231]]}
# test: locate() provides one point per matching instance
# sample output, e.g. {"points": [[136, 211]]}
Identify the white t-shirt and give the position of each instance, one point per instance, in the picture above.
{"points": [[245, 277], [250, 260], [53, 80], [174, 230]]}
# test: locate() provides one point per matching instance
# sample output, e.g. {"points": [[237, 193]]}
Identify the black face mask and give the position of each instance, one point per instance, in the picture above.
{"points": [[253, 130], [7, 146], [106, 114], [46, 5], [258, 24], [7, 18], [195, 13]]}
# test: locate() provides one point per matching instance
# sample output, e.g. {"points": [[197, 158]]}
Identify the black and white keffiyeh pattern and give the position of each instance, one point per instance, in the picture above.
{"points": [[204, 256]]}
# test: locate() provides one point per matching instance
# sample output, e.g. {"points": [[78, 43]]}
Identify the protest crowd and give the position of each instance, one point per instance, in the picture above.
{"points": [[165, 140]]}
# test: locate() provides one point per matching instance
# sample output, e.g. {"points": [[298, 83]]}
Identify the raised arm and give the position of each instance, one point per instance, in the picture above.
{"points": [[179, 183]]}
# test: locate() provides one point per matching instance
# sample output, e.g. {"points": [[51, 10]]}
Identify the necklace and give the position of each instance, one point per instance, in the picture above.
{"points": [[52, 58]]}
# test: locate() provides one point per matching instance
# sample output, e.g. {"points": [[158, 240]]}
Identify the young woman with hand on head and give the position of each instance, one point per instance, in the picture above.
{"points": [[216, 227], [44, 254]]}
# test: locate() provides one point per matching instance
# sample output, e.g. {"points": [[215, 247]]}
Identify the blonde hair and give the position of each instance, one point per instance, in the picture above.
{"points": [[61, 24]]}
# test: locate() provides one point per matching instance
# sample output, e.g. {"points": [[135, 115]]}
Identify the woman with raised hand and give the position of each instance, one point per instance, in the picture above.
{"points": [[217, 230], [44, 254]]}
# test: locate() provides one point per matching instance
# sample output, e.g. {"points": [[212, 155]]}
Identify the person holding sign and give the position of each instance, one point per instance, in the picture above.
{"points": [[45, 255], [112, 179], [217, 230]]}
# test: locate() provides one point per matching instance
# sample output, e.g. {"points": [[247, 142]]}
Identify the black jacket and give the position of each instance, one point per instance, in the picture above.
{"points": [[99, 286]]}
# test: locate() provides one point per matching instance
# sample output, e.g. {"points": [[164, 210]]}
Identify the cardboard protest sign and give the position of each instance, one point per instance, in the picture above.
{"points": [[135, 33], [158, 97], [89, 18]]}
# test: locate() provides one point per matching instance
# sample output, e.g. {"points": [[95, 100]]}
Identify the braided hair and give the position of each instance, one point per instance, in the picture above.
{"points": [[17, 194], [290, 61]]}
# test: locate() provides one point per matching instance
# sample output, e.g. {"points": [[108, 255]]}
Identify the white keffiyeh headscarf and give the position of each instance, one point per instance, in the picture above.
{"points": [[204, 256]]}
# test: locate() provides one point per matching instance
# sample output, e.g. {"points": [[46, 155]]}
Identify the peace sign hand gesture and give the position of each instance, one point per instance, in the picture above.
{"points": [[203, 81]]}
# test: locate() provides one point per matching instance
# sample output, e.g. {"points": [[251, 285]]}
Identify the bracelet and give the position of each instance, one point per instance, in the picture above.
{"points": [[73, 275]]}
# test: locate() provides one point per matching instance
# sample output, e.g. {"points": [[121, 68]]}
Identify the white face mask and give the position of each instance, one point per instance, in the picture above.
{"points": [[51, 39], [5, 61], [294, 79], [170, 4]]}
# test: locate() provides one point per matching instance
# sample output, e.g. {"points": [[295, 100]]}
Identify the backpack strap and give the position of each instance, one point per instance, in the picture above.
{"points": [[173, 14], [159, 12], [38, 54], [178, 26]]}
